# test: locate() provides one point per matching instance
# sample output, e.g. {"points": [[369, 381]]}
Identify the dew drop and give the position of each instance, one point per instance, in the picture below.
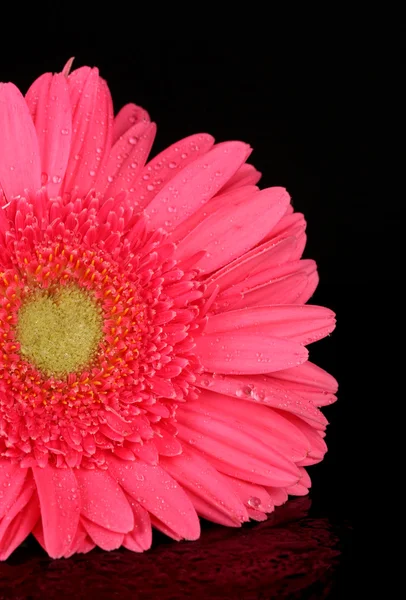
{"points": [[65, 131], [172, 165], [254, 502]]}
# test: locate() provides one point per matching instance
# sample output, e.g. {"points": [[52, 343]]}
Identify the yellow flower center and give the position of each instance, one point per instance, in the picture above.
{"points": [[59, 330]]}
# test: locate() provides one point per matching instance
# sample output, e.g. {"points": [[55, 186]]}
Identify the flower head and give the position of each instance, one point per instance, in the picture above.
{"points": [[153, 328]]}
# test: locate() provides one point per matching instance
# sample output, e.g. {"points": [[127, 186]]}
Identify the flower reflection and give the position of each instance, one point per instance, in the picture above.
{"points": [[290, 555]]}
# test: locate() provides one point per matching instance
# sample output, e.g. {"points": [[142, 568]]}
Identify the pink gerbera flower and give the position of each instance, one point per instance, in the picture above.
{"points": [[153, 327]]}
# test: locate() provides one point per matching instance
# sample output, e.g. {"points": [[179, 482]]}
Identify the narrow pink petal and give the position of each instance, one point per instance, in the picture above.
{"points": [[157, 492], [262, 389], [92, 116], [19, 528], [209, 419], [104, 538], [234, 229], [278, 495], [195, 184], [318, 446], [20, 164], [195, 474], [211, 513], [49, 104], [259, 421], [103, 501], [129, 115], [163, 168], [253, 262], [253, 496], [236, 453], [60, 507], [308, 376], [12, 478], [297, 490], [80, 542], [126, 160], [286, 290], [221, 200], [141, 534], [301, 324], [246, 175], [246, 352]]}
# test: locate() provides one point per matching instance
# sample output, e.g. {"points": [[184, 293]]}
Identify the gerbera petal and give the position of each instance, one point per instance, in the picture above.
{"points": [[12, 478], [253, 262], [158, 493], [103, 501], [20, 164], [140, 537], [302, 324], [49, 104], [126, 159], [14, 528], [234, 229], [235, 452], [127, 116], [60, 507], [259, 421], [246, 175], [163, 168], [81, 542], [262, 389], [195, 184], [253, 496], [308, 376], [195, 474], [244, 352], [277, 495], [92, 123], [103, 538]]}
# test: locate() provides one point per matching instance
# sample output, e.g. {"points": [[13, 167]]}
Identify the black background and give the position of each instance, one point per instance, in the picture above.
{"points": [[301, 99]]}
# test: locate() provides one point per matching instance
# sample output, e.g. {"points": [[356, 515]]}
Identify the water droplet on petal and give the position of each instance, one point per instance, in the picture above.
{"points": [[254, 502]]}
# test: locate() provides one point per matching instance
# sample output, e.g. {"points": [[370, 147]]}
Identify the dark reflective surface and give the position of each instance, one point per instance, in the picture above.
{"points": [[295, 554]]}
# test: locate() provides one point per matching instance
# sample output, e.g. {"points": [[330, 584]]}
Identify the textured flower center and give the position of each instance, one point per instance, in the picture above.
{"points": [[59, 330]]}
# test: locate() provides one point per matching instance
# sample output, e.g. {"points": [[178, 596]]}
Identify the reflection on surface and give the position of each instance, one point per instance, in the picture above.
{"points": [[291, 555]]}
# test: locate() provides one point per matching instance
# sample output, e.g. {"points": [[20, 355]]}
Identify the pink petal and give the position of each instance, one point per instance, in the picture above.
{"points": [[278, 495], [235, 452], [308, 376], [211, 513], [140, 538], [297, 490], [301, 324], [246, 352], [234, 229], [49, 104], [163, 168], [318, 446], [128, 116], [104, 538], [262, 389], [81, 543], [253, 496], [14, 532], [60, 507], [253, 262], [126, 159], [103, 501], [92, 123], [20, 164], [230, 198], [158, 493], [246, 175], [259, 421], [195, 474], [195, 185], [12, 478]]}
